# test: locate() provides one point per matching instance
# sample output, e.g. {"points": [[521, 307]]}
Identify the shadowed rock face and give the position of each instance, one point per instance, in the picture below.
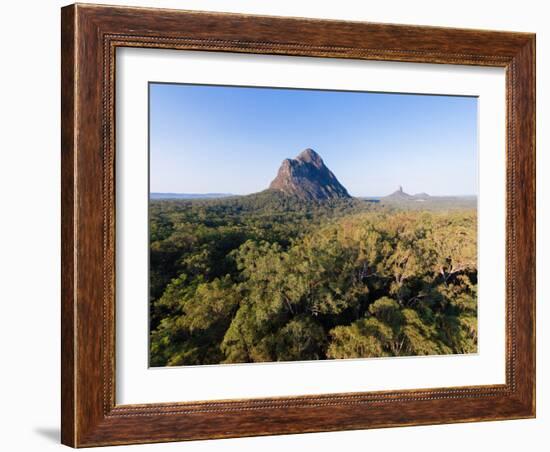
{"points": [[308, 178]]}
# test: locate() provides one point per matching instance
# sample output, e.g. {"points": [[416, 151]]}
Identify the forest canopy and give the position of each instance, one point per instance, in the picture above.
{"points": [[268, 277]]}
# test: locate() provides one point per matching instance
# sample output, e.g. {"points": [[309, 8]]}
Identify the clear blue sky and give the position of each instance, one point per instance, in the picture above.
{"points": [[206, 139]]}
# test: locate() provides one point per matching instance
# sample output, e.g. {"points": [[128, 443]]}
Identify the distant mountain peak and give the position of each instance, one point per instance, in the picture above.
{"points": [[400, 195], [307, 177]]}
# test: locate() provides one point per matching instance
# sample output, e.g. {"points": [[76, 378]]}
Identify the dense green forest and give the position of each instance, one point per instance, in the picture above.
{"points": [[268, 277]]}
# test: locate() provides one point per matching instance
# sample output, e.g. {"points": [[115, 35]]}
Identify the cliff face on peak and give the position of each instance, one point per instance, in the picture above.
{"points": [[308, 178]]}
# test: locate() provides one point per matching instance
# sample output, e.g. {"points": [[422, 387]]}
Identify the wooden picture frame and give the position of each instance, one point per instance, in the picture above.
{"points": [[90, 36]]}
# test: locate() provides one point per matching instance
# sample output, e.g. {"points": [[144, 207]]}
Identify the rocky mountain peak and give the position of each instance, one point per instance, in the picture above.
{"points": [[310, 156], [400, 195], [308, 178]]}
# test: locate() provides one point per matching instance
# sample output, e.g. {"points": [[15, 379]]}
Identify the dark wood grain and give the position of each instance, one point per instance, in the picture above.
{"points": [[68, 310], [90, 36]]}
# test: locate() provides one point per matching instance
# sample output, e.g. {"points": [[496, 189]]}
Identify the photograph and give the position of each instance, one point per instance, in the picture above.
{"points": [[292, 224]]}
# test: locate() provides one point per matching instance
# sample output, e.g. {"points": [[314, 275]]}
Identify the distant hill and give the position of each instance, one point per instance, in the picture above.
{"points": [[189, 195], [401, 199], [308, 178], [421, 196], [400, 195]]}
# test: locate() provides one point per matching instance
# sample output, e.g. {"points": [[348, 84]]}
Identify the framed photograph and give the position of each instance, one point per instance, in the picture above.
{"points": [[281, 225]]}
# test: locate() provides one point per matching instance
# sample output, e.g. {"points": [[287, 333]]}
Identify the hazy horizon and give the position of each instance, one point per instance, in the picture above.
{"points": [[225, 195], [232, 140]]}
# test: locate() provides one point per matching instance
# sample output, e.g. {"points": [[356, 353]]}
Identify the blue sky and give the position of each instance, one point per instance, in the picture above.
{"points": [[215, 139]]}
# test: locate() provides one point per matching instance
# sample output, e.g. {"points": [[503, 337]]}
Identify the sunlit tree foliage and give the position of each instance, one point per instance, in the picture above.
{"points": [[269, 278]]}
